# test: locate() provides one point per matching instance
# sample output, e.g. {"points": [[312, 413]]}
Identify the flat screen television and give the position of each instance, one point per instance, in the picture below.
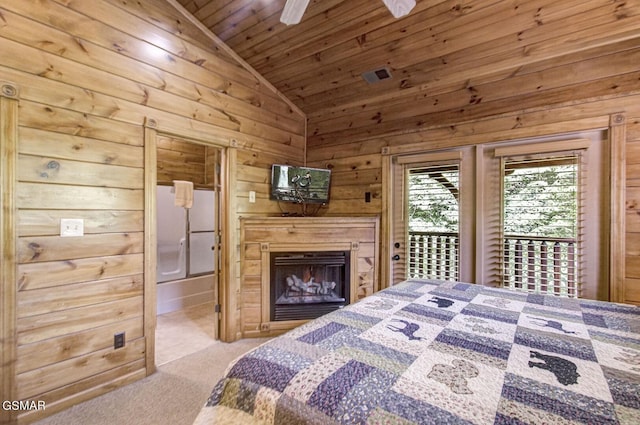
{"points": [[302, 185]]}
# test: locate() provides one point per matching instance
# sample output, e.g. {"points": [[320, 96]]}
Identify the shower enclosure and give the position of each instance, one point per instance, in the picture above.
{"points": [[187, 256]]}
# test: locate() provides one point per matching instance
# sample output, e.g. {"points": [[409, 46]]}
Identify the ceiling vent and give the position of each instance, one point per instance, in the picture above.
{"points": [[377, 75]]}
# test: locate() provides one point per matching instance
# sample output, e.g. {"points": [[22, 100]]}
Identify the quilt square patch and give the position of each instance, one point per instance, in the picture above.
{"points": [[492, 313], [617, 357], [305, 382], [556, 326], [560, 344], [483, 327], [403, 334], [497, 302], [469, 390], [624, 387], [426, 314], [380, 307], [528, 401], [441, 302], [560, 371]]}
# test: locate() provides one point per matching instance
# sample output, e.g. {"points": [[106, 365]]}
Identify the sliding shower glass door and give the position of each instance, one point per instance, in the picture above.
{"points": [[171, 236], [186, 237]]}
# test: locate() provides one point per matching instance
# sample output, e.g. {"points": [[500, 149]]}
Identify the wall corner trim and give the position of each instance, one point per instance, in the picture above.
{"points": [[8, 246], [9, 90], [617, 167], [150, 122]]}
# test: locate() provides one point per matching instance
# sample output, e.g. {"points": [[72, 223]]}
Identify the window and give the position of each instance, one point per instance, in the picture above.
{"points": [[526, 214], [434, 218], [540, 211]]}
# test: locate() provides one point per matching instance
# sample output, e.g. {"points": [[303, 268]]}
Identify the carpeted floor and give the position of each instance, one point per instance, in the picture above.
{"points": [[173, 395]]}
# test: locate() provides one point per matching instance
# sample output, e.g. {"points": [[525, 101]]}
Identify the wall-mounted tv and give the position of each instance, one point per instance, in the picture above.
{"points": [[302, 185]]}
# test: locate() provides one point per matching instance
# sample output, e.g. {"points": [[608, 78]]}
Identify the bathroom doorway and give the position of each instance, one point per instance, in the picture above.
{"points": [[188, 246]]}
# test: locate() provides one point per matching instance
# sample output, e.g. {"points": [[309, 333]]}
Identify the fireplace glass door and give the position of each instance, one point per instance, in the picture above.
{"points": [[308, 285]]}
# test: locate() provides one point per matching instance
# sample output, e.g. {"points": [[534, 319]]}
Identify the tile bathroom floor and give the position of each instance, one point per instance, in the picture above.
{"points": [[183, 332]]}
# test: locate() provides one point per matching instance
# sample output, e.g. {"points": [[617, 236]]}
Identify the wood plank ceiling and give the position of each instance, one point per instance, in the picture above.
{"points": [[450, 60]]}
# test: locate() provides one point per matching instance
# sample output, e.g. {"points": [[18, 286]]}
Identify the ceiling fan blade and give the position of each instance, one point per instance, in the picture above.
{"points": [[293, 11], [399, 8]]}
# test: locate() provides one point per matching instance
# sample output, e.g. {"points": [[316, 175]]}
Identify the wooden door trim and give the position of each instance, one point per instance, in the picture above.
{"points": [[617, 161], [152, 131], [150, 243], [8, 239]]}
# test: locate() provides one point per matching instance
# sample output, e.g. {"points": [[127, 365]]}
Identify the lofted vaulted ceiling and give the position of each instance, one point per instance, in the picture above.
{"points": [[449, 60]]}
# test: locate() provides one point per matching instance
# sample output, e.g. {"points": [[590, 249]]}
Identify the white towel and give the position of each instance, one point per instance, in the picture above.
{"points": [[184, 193]]}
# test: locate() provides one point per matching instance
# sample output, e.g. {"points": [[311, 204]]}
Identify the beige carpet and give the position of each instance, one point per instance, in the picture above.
{"points": [[173, 395]]}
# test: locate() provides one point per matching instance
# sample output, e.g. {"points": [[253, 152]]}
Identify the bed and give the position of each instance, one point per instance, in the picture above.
{"points": [[431, 352]]}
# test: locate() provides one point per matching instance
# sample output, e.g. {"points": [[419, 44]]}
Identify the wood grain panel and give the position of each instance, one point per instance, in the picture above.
{"points": [[66, 146], [66, 372], [54, 248], [54, 350], [47, 222], [49, 274], [46, 117], [451, 61], [54, 93], [85, 389], [531, 89], [294, 234], [632, 267], [632, 221], [50, 325], [632, 290], [38, 169], [49, 196], [45, 300], [251, 251], [142, 60]]}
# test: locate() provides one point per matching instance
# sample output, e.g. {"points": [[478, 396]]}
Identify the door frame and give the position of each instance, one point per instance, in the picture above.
{"points": [[615, 244], [152, 129]]}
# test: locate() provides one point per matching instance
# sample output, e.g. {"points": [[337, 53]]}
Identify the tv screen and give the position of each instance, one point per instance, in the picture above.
{"points": [[300, 184]]}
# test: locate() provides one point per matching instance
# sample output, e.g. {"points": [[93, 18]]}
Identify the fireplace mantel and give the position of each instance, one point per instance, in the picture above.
{"points": [[259, 237]]}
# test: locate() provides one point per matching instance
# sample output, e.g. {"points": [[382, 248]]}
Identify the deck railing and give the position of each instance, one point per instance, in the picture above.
{"points": [[535, 264], [539, 264], [433, 255]]}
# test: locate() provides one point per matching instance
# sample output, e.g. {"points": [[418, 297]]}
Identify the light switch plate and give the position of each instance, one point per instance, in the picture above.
{"points": [[252, 196], [71, 227]]}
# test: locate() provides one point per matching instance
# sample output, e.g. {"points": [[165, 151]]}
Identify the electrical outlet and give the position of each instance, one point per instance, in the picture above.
{"points": [[118, 340], [71, 227], [252, 196]]}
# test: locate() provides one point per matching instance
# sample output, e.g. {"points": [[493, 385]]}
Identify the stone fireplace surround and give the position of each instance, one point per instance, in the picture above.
{"points": [[260, 237]]}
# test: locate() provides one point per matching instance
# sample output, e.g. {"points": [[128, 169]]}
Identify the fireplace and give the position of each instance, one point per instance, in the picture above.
{"points": [[306, 285]]}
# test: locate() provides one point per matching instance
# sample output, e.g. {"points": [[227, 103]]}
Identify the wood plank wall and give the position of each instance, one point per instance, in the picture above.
{"points": [[568, 93], [178, 159], [632, 219], [89, 74]]}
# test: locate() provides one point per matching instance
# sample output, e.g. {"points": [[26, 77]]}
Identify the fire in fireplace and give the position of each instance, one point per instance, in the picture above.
{"points": [[308, 285]]}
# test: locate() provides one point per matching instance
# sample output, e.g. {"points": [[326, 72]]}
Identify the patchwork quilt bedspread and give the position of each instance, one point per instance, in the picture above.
{"points": [[428, 352]]}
